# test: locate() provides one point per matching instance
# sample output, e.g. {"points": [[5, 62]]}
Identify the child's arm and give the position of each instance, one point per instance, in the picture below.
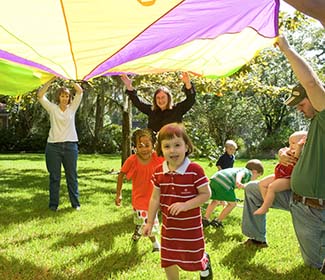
{"points": [[203, 196], [152, 212], [239, 177], [286, 157], [119, 185]]}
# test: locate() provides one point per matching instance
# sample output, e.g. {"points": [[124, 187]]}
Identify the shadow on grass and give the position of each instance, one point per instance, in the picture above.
{"points": [[24, 193], [239, 261], [23, 196], [104, 236], [15, 269], [216, 236], [22, 156]]}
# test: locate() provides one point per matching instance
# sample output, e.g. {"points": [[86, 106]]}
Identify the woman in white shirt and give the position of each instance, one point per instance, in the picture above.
{"points": [[62, 142]]}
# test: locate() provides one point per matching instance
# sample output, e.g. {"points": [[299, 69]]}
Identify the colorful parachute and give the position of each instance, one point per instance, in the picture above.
{"points": [[85, 39]]}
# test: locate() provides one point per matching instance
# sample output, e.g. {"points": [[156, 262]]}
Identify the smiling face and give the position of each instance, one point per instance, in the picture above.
{"points": [[64, 98], [144, 148], [162, 100], [174, 151]]}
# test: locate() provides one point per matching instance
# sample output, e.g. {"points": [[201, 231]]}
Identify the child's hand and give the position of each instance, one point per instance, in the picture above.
{"points": [[286, 157], [147, 230], [240, 185], [177, 208], [118, 200]]}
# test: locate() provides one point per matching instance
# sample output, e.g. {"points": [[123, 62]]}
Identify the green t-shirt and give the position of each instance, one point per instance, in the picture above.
{"points": [[227, 177], [308, 176]]}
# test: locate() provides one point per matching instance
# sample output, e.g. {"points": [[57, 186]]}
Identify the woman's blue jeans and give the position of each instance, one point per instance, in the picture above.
{"points": [[66, 154]]}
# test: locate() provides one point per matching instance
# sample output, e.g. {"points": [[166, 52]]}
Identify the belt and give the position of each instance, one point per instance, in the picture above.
{"points": [[311, 202]]}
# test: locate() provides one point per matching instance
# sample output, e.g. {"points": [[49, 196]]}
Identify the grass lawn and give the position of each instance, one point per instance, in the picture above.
{"points": [[94, 243]]}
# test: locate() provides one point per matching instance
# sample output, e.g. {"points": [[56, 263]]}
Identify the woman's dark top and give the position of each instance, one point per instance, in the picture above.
{"points": [[158, 118]]}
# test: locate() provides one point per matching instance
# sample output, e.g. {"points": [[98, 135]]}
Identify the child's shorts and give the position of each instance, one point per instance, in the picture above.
{"points": [[140, 218], [218, 192]]}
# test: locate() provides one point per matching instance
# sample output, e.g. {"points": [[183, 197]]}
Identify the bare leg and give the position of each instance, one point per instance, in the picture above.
{"points": [[172, 272], [213, 204], [278, 185], [264, 183], [224, 213]]}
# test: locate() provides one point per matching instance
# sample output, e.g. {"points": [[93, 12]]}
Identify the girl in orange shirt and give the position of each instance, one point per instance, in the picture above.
{"points": [[139, 167]]}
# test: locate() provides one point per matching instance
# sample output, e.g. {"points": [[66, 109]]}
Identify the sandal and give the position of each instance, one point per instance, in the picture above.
{"points": [[216, 223]]}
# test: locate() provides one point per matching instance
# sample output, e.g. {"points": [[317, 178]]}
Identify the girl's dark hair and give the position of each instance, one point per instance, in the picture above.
{"points": [[141, 133], [61, 90], [169, 131], [169, 96]]}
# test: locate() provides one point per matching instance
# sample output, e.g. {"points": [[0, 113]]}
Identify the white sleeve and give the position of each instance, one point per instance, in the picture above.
{"points": [[76, 102], [47, 105]]}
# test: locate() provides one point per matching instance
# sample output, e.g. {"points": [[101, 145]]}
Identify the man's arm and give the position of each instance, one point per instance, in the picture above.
{"points": [[313, 8], [305, 74]]}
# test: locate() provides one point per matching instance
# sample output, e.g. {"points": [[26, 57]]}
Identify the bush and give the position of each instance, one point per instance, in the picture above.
{"points": [[109, 141]]}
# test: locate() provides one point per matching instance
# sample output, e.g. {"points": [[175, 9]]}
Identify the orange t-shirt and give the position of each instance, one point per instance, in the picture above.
{"points": [[141, 174]]}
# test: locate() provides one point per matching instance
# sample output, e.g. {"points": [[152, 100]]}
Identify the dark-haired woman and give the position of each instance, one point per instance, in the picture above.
{"points": [[162, 111]]}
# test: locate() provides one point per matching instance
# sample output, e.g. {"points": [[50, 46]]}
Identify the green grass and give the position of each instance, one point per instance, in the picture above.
{"points": [[94, 243]]}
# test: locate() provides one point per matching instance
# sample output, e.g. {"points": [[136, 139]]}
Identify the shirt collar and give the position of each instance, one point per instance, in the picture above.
{"points": [[180, 170]]}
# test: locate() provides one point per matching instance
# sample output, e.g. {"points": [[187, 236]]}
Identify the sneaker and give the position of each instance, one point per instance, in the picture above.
{"points": [[205, 222], [156, 249], [136, 235], [77, 208], [155, 246], [216, 223], [253, 242], [207, 274]]}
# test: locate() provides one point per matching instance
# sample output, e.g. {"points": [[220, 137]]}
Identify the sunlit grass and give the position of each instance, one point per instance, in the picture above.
{"points": [[94, 243]]}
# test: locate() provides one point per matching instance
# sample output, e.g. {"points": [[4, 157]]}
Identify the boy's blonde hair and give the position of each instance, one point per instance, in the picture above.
{"points": [[231, 143], [299, 134]]}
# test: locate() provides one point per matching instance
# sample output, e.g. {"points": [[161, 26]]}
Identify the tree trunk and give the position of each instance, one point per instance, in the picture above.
{"points": [[99, 121], [126, 128]]}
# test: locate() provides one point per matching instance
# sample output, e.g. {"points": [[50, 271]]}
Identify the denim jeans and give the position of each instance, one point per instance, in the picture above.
{"points": [[66, 154], [309, 223]]}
